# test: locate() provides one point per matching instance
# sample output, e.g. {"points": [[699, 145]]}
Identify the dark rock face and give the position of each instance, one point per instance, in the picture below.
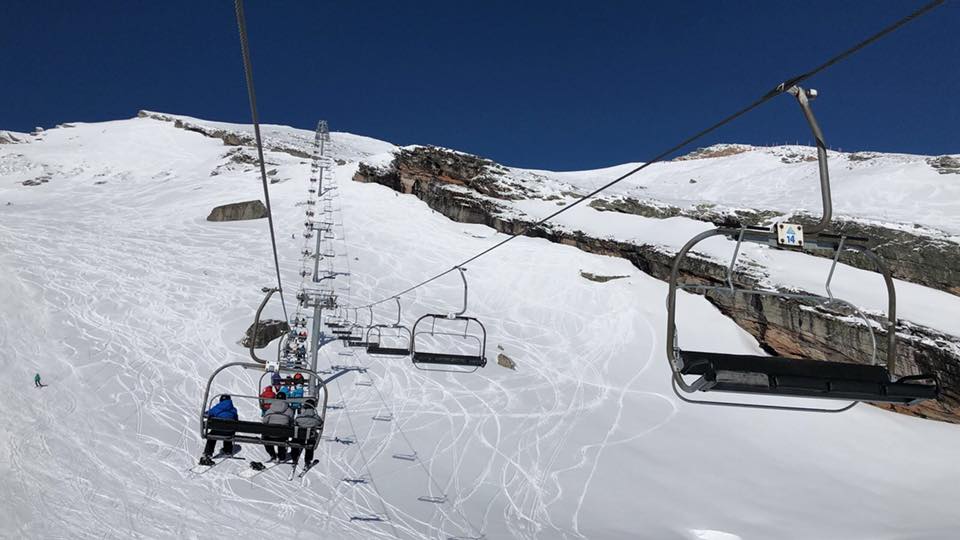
{"points": [[785, 327], [945, 164], [268, 331], [42, 179], [238, 211]]}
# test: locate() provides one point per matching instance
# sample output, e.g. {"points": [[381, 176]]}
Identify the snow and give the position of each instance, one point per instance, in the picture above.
{"points": [[125, 299], [897, 188]]}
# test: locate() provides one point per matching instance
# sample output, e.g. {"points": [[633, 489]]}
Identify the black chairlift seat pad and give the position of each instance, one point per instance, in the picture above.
{"points": [[341, 332], [243, 426], [448, 359], [387, 351], [357, 343], [803, 378]]}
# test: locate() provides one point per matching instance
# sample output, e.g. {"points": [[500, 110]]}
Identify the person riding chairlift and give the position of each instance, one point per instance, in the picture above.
{"points": [[308, 419], [224, 409], [280, 414]]}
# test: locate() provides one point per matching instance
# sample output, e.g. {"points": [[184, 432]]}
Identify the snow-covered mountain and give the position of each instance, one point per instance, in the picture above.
{"points": [[121, 294]]}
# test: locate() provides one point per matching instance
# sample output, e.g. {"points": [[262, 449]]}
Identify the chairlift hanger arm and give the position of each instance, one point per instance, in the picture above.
{"points": [[256, 324], [803, 98]]}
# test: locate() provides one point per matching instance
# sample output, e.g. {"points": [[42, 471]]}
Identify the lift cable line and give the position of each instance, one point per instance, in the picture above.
{"points": [[251, 93], [774, 92]]}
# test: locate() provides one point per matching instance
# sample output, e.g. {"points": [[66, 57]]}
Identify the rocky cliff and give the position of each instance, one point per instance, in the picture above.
{"points": [[473, 190]]}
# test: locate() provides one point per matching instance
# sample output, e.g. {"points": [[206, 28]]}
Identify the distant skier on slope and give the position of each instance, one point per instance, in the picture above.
{"points": [[36, 381], [280, 414], [226, 410], [308, 419]]}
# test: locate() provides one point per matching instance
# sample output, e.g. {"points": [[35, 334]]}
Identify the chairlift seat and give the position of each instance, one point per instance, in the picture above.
{"points": [[375, 350], [777, 375], [245, 426], [449, 359]]}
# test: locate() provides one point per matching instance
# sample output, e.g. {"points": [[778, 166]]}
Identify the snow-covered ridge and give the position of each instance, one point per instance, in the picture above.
{"points": [[298, 142]]}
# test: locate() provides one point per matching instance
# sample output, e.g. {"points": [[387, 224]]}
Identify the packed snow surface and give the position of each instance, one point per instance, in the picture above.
{"points": [[125, 299]]}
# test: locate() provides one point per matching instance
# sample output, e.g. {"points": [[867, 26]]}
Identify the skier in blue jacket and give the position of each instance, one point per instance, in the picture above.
{"points": [[225, 410]]}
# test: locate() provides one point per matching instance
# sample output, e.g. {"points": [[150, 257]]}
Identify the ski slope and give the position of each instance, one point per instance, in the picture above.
{"points": [[125, 299]]}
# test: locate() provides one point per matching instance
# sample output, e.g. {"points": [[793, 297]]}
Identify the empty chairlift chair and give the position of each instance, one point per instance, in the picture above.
{"points": [[474, 336], [382, 344], [780, 376]]}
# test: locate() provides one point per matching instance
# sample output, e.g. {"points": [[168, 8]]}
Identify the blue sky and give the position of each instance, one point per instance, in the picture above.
{"points": [[557, 85]]}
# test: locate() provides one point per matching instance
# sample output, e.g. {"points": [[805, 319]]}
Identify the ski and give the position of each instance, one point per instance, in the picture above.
{"points": [[217, 459], [293, 472], [307, 468]]}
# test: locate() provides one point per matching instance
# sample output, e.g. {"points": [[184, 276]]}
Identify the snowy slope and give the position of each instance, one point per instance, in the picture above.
{"points": [[898, 188], [126, 299]]}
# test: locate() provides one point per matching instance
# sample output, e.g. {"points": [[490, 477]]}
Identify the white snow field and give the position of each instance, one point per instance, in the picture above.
{"points": [[125, 299]]}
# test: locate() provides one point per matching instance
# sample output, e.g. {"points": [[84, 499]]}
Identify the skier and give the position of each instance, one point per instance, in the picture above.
{"points": [[36, 381], [268, 393], [308, 419], [279, 414], [224, 409], [296, 393], [301, 354]]}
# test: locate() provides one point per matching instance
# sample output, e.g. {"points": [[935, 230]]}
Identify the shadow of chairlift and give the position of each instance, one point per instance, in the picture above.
{"points": [[369, 517], [357, 480]]}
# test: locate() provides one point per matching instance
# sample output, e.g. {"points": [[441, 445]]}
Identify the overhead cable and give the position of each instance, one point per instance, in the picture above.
{"points": [[772, 93]]}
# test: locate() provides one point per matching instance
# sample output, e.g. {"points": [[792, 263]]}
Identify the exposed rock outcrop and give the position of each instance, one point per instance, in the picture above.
{"points": [[238, 211], [599, 278], [945, 164], [925, 257], [268, 331], [10, 137], [467, 190], [506, 361]]}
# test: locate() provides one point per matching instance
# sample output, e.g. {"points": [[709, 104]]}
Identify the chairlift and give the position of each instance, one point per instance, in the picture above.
{"points": [[788, 377], [474, 361], [254, 431], [377, 347]]}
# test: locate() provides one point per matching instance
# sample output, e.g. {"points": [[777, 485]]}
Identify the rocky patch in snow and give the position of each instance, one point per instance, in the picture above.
{"points": [[238, 211], [945, 164], [267, 331]]}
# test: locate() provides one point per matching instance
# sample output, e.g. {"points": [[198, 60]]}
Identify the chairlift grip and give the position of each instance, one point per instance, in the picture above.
{"points": [[803, 98]]}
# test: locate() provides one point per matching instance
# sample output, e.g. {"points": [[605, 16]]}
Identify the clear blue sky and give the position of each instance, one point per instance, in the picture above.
{"points": [[558, 85]]}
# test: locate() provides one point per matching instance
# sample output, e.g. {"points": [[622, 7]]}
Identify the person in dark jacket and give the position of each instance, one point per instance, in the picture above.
{"points": [[226, 410], [308, 419], [279, 414]]}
